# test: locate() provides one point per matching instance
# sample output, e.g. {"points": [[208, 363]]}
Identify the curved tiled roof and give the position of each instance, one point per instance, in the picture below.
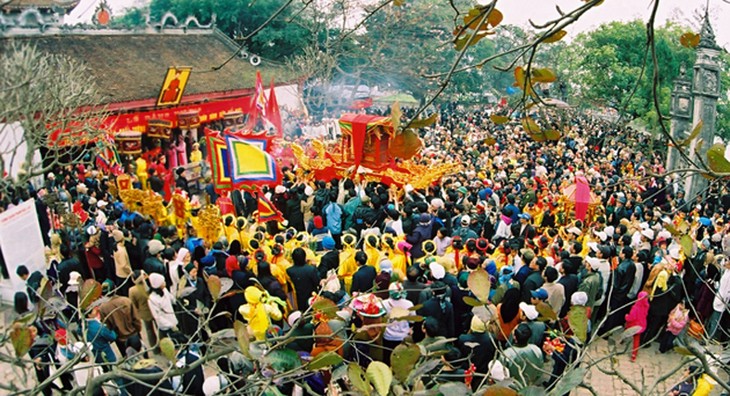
{"points": [[130, 65]]}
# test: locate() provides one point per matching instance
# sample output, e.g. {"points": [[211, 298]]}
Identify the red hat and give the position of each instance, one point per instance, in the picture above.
{"points": [[318, 223], [60, 337]]}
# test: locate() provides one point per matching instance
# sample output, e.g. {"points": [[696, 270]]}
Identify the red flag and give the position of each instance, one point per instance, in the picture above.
{"points": [[258, 103], [77, 209], [272, 112], [267, 210]]}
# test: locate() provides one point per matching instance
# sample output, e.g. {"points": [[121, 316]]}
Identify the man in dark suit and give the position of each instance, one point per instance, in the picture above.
{"points": [[523, 230], [364, 277]]}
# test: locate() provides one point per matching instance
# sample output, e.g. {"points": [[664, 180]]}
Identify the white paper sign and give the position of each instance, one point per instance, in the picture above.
{"points": [[22, 244]]}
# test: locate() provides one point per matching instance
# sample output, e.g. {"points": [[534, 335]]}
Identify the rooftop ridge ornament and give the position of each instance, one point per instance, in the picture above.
{"points": [[707, 34], [102, 14], [171, 21]]}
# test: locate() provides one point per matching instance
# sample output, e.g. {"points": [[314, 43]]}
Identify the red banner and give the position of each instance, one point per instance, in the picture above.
{"points": [[208, 112]]}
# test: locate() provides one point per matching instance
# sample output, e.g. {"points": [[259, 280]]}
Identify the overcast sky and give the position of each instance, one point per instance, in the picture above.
{"points": [[520, 11]]}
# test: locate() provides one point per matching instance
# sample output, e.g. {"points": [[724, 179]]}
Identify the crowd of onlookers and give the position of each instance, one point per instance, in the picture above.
{"points": [[378, 252]]}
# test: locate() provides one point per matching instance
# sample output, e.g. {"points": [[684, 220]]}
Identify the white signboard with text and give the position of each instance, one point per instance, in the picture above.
{"points": [[22, 244]]}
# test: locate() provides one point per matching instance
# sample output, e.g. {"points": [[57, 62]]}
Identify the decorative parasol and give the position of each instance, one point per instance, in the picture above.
{"points": [[579, 196]]}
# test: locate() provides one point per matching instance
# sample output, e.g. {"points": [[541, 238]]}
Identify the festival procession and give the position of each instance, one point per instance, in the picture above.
{"points": [[230, 247]]}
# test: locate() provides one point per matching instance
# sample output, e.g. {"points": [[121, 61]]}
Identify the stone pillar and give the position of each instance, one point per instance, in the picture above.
{"points": [[705, 91], [681, 112]]}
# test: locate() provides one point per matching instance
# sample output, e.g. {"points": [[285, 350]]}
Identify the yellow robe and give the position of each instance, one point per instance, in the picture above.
{"points": [[142, 172], [348, 266], [232, 234], [374, 257], [196, 156]]}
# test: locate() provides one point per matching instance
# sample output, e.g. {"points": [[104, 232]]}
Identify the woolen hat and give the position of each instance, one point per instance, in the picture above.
{"points": [[328, 243], [156, 280], [579, 298], [155, 247], [74, 278]]}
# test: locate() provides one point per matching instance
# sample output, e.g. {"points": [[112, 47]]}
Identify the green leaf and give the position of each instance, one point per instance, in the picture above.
{"points": [[630, 332], [282, 360], [454, 389], [326, 307], [545, 311], [695, 132], [403, 359], [687, 244], [578, 320], [358, 378], [472, 302], [21, 338], [533, 390], [380, 376], [412, 318], [90, 292], [716, 159], [570, 380], [555, 37], [552, 134], [424, 122], [500, 390], [167, 347], [478, 282], [241, 331], [530, 126], [323, 360], [544, 75], [684, 351], [499, 119], [423, 368], [214, 286], [395, 115]]}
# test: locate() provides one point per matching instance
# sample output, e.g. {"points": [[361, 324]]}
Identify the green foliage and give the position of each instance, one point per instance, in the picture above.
{"points": [[603, 67], [280, 39], [134, 17]]}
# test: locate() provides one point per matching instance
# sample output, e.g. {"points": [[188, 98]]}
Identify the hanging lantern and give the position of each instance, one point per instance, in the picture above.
{"points": [[233, 120], [161, 129], [129, 142], [189, 121]]}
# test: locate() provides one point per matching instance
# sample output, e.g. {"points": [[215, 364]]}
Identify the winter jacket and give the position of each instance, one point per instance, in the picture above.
{"points": [[162, 309]]}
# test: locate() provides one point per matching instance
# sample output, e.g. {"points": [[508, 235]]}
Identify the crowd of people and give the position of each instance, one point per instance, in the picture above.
{"points": [[644, 258]]}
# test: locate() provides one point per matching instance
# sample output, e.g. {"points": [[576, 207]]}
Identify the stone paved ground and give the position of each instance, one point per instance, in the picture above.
{"points": [[649, 366], [644, 372]]}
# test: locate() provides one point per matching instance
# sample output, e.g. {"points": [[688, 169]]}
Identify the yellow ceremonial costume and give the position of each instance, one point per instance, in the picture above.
{"points": [[259, 311], [372, 249], [196, 155], [141, 172], [348, 266]]}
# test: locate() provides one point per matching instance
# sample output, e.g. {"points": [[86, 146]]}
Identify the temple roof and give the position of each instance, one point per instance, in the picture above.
{"points": [[15, 5], [129, 66]]}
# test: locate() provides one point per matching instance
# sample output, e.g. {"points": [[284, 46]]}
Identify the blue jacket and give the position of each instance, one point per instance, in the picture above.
{"points": [[333, 212], [101, 338]]}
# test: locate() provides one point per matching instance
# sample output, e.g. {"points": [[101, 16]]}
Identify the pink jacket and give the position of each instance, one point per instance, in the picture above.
{"points": [[639, 311]]}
